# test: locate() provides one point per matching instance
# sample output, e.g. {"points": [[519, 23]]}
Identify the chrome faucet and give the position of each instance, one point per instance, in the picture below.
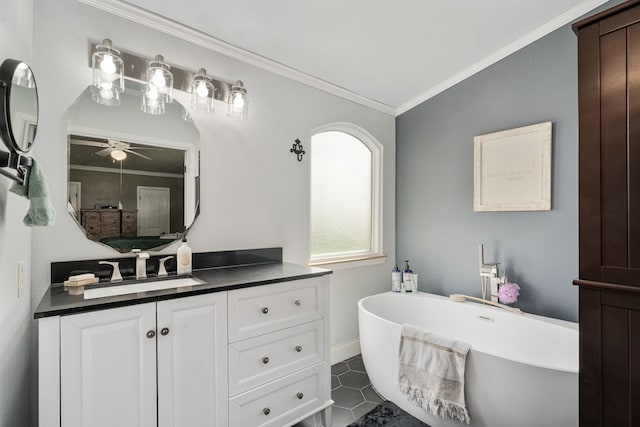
{"points": [[490, 276], [141, 263]]}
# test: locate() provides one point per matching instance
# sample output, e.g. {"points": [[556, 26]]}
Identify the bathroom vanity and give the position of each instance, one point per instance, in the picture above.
{"points": [[249, 346]]}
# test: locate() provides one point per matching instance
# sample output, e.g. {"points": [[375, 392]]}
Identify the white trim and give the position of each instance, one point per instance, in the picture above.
{"points": [[175, 29], [350, 263], [345, 351], [49, 371], [377, 152], [126, 171], [516, 45]]}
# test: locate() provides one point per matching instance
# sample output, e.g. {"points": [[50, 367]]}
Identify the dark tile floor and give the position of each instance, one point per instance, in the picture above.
{"points": [[352, 393]]}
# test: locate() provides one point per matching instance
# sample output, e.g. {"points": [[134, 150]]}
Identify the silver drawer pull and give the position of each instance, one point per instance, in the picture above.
{"points": [[151, 334], [265, 310], [298, 302], [164, 331], [300, 396], [265, 360], [266, 411], [298, 348]]}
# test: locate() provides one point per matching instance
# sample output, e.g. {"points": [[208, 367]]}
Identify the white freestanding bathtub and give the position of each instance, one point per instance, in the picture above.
{"points": [[522, 369]]}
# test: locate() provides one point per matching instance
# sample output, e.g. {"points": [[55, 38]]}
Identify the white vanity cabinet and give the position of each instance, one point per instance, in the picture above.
{"points": [[257, 356], [279, 365], [153, 364]]}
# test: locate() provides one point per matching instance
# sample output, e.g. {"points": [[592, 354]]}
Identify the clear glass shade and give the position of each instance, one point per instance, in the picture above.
{"points": [[159, 76], [202, 92], [108, 74], [238, 101], [152, 102]]}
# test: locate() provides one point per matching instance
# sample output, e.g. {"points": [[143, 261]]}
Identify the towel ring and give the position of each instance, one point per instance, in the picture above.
{"points": [[18, 118]]}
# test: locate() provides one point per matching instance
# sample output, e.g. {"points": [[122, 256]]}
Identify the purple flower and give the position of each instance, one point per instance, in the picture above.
{"points": [[508, 293]]}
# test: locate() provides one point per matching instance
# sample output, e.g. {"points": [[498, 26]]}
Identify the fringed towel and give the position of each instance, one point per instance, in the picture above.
{"points": [[41, 212], [431, 372]]}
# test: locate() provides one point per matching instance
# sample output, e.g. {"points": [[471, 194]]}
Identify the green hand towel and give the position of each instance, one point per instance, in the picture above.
{"points": [[41, 212]]}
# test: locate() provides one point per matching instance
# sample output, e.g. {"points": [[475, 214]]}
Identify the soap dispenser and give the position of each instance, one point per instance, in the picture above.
{"points": [[396, 279], [407, 277], [184, 258]]}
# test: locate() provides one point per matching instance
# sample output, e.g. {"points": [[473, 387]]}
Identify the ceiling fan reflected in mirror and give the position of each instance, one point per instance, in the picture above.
{"points": [[116, 149]]}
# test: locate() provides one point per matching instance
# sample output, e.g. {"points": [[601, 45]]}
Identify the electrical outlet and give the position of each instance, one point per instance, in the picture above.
{"points": [[20, 278]]}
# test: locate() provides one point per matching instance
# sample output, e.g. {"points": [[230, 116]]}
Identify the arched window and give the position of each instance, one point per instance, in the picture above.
{"points": [[346, 194]]}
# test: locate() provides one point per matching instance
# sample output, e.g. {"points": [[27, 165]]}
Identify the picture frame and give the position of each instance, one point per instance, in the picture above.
{"points": [[512, 169]]}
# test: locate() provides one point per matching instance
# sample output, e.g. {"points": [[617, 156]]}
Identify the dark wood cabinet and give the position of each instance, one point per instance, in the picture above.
{"points": [[609, 209]]}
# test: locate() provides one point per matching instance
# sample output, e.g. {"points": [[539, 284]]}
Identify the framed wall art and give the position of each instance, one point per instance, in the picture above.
{"points": [[512, 169]]}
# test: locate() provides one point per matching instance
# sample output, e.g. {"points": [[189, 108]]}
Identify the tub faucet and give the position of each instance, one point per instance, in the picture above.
{"points": [[141, 263], [489, 277]]}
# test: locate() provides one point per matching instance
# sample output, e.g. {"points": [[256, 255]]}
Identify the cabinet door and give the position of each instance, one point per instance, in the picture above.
{"points": [[192, 361], [108, 368]]}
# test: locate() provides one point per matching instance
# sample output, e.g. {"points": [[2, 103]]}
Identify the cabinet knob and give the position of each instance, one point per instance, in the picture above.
{"points": [[151, 334], [298, 302], [266, 411], [298, 348], [299, 395], [265, 310], [265, 360], [164, 331]]}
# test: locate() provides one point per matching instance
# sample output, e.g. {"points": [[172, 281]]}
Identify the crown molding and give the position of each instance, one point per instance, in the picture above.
{"points": [[538, 33], [180, 31]]}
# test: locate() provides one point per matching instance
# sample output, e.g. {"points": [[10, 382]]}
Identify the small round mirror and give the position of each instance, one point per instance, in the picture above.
{"points": [[18, 106]]}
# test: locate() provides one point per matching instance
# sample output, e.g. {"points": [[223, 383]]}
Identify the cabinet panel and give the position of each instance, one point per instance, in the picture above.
{"points": [[108, 368], [280, 402], [261, 359], [192, 361], [615, 365], [264, 309]]}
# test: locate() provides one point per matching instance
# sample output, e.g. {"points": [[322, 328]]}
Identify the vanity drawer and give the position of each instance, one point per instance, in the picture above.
{"points": [[263, 309], [265, 358], [279, 402]]}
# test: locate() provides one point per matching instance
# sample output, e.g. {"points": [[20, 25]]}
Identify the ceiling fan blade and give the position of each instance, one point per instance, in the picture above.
{"points": [[105, 152], [137, 154], [89, 143], [145, 148]]}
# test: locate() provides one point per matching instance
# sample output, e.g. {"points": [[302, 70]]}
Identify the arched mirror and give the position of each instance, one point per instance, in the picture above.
{"points": [[18, 116], [133, 177]]}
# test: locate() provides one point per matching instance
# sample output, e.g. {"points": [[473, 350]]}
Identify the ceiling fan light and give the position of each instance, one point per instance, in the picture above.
{"points": [[118, 155]]}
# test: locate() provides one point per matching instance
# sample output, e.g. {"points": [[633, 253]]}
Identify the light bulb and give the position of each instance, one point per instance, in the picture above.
{"points": [[107, 65], [158, 79], [106, 93], [238, 101], [106, 85], [152, 93], [202, 90]]}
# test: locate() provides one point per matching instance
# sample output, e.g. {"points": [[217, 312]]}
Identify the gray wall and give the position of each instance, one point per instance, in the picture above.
{"points": [[436, 226], [15, 246]]}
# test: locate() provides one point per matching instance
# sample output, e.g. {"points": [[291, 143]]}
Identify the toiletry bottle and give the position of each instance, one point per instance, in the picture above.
{"points": [[407, 277], [184, 258], [396, 279]]}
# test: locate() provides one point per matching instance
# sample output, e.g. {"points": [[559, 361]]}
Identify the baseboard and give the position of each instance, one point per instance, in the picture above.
{"points": [[344, 351]]}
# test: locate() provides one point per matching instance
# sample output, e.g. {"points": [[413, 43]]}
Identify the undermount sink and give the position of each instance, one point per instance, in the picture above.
{"points": [[134, 288]]}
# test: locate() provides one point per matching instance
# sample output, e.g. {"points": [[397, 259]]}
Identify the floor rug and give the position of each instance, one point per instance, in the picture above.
{"points": [[387, 414]]}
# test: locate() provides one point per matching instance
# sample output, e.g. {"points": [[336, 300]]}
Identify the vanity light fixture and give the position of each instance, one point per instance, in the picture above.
{"points": [[23, 76], [202, 91], [108, 74], [159, 76], [238, 105], [152, 101]]}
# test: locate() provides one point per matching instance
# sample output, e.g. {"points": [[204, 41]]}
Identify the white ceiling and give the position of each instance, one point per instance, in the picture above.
{"points": [[390, 55]]}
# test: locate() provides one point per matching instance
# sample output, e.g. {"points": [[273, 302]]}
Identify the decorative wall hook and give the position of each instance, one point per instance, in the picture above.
{"points": [[298, 149]]}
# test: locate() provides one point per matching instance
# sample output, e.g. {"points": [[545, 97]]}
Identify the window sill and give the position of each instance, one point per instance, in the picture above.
{"points": [[339, 264]]}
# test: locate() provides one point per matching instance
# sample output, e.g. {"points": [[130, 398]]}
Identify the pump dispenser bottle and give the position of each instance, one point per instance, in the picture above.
{"points": [[184, 258], [396, 279], [407, 277]]}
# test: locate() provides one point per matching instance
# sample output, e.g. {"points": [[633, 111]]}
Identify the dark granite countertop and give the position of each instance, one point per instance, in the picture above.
{"points": [[57, 301]]}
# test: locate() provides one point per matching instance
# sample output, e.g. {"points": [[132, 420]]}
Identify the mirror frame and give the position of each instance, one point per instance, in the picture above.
{"points": [[7, 70]]}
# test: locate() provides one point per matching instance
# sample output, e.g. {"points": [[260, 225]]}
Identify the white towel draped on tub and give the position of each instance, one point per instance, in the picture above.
{"points": [[431, 372]]}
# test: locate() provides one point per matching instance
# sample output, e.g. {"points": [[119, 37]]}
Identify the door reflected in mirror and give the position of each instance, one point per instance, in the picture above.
{"points": [[133, 177]]}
